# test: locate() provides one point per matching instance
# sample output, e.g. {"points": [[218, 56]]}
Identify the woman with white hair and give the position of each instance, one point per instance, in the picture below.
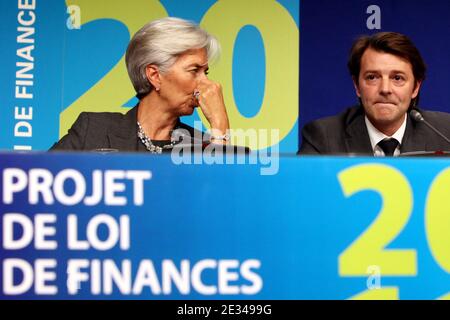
{"points": [[167, 61]]}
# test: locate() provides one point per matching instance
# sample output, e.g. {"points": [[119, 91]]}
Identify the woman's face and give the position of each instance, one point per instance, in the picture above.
{"points": [[180, 81]]}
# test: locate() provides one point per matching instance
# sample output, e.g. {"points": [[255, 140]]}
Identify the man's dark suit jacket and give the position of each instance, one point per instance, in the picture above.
{"points": [[347, 133], [112, 130]]}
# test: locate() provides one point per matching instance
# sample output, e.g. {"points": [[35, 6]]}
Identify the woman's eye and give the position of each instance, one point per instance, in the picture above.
{"points": [[196, 71]]}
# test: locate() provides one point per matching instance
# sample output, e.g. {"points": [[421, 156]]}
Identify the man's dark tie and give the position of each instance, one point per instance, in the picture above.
{"points": [[388, 146]]}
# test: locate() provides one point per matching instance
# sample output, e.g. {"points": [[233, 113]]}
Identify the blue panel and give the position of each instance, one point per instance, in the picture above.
{"points": [[295, 223]]}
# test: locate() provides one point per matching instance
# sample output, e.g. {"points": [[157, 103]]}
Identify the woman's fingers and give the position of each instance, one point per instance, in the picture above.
{"points": [[210, 98]]}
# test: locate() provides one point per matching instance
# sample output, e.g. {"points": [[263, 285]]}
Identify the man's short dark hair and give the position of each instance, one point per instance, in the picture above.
{"points": [[389, 42]]}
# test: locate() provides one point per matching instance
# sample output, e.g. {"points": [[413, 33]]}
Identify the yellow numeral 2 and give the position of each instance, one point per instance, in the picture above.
{"points": [[369, 248]]}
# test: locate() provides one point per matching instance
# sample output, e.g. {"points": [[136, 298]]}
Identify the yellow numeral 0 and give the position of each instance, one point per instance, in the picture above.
{"points": [[114, 89], [279, 109], [437, 219], [369, 248]]}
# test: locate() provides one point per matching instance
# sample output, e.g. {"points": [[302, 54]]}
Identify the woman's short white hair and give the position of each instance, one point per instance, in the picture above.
{"points": [[160, 42]]}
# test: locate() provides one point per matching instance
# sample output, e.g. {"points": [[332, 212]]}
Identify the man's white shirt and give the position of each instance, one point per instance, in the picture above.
{"points": [[376, 136]]}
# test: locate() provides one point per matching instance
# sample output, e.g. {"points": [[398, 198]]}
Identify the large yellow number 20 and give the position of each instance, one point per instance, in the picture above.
{"points": [[369, 248], [224, 19]]}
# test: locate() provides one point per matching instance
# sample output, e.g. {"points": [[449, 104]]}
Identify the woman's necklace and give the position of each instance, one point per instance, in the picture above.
{"points": [[148, 143]]}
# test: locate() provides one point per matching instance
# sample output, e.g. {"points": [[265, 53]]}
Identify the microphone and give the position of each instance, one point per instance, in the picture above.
{"points": [[417, 116]]}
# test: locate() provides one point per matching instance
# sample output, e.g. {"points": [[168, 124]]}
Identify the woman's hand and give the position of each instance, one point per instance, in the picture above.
{"points": [[210, 100]]}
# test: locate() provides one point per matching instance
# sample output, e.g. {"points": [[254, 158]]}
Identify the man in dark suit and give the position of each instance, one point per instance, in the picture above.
{"points": [[387, 72]]}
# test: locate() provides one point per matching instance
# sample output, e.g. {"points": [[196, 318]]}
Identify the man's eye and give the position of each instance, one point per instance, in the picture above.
{"points": [[207, 72], [371, 77], [399, 78]]}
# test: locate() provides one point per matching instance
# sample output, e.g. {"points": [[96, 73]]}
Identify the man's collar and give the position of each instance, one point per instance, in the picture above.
{"points": [[376, 135]]}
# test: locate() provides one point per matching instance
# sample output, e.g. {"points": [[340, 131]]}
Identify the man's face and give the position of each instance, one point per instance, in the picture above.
{"points": [[386, 86]]}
